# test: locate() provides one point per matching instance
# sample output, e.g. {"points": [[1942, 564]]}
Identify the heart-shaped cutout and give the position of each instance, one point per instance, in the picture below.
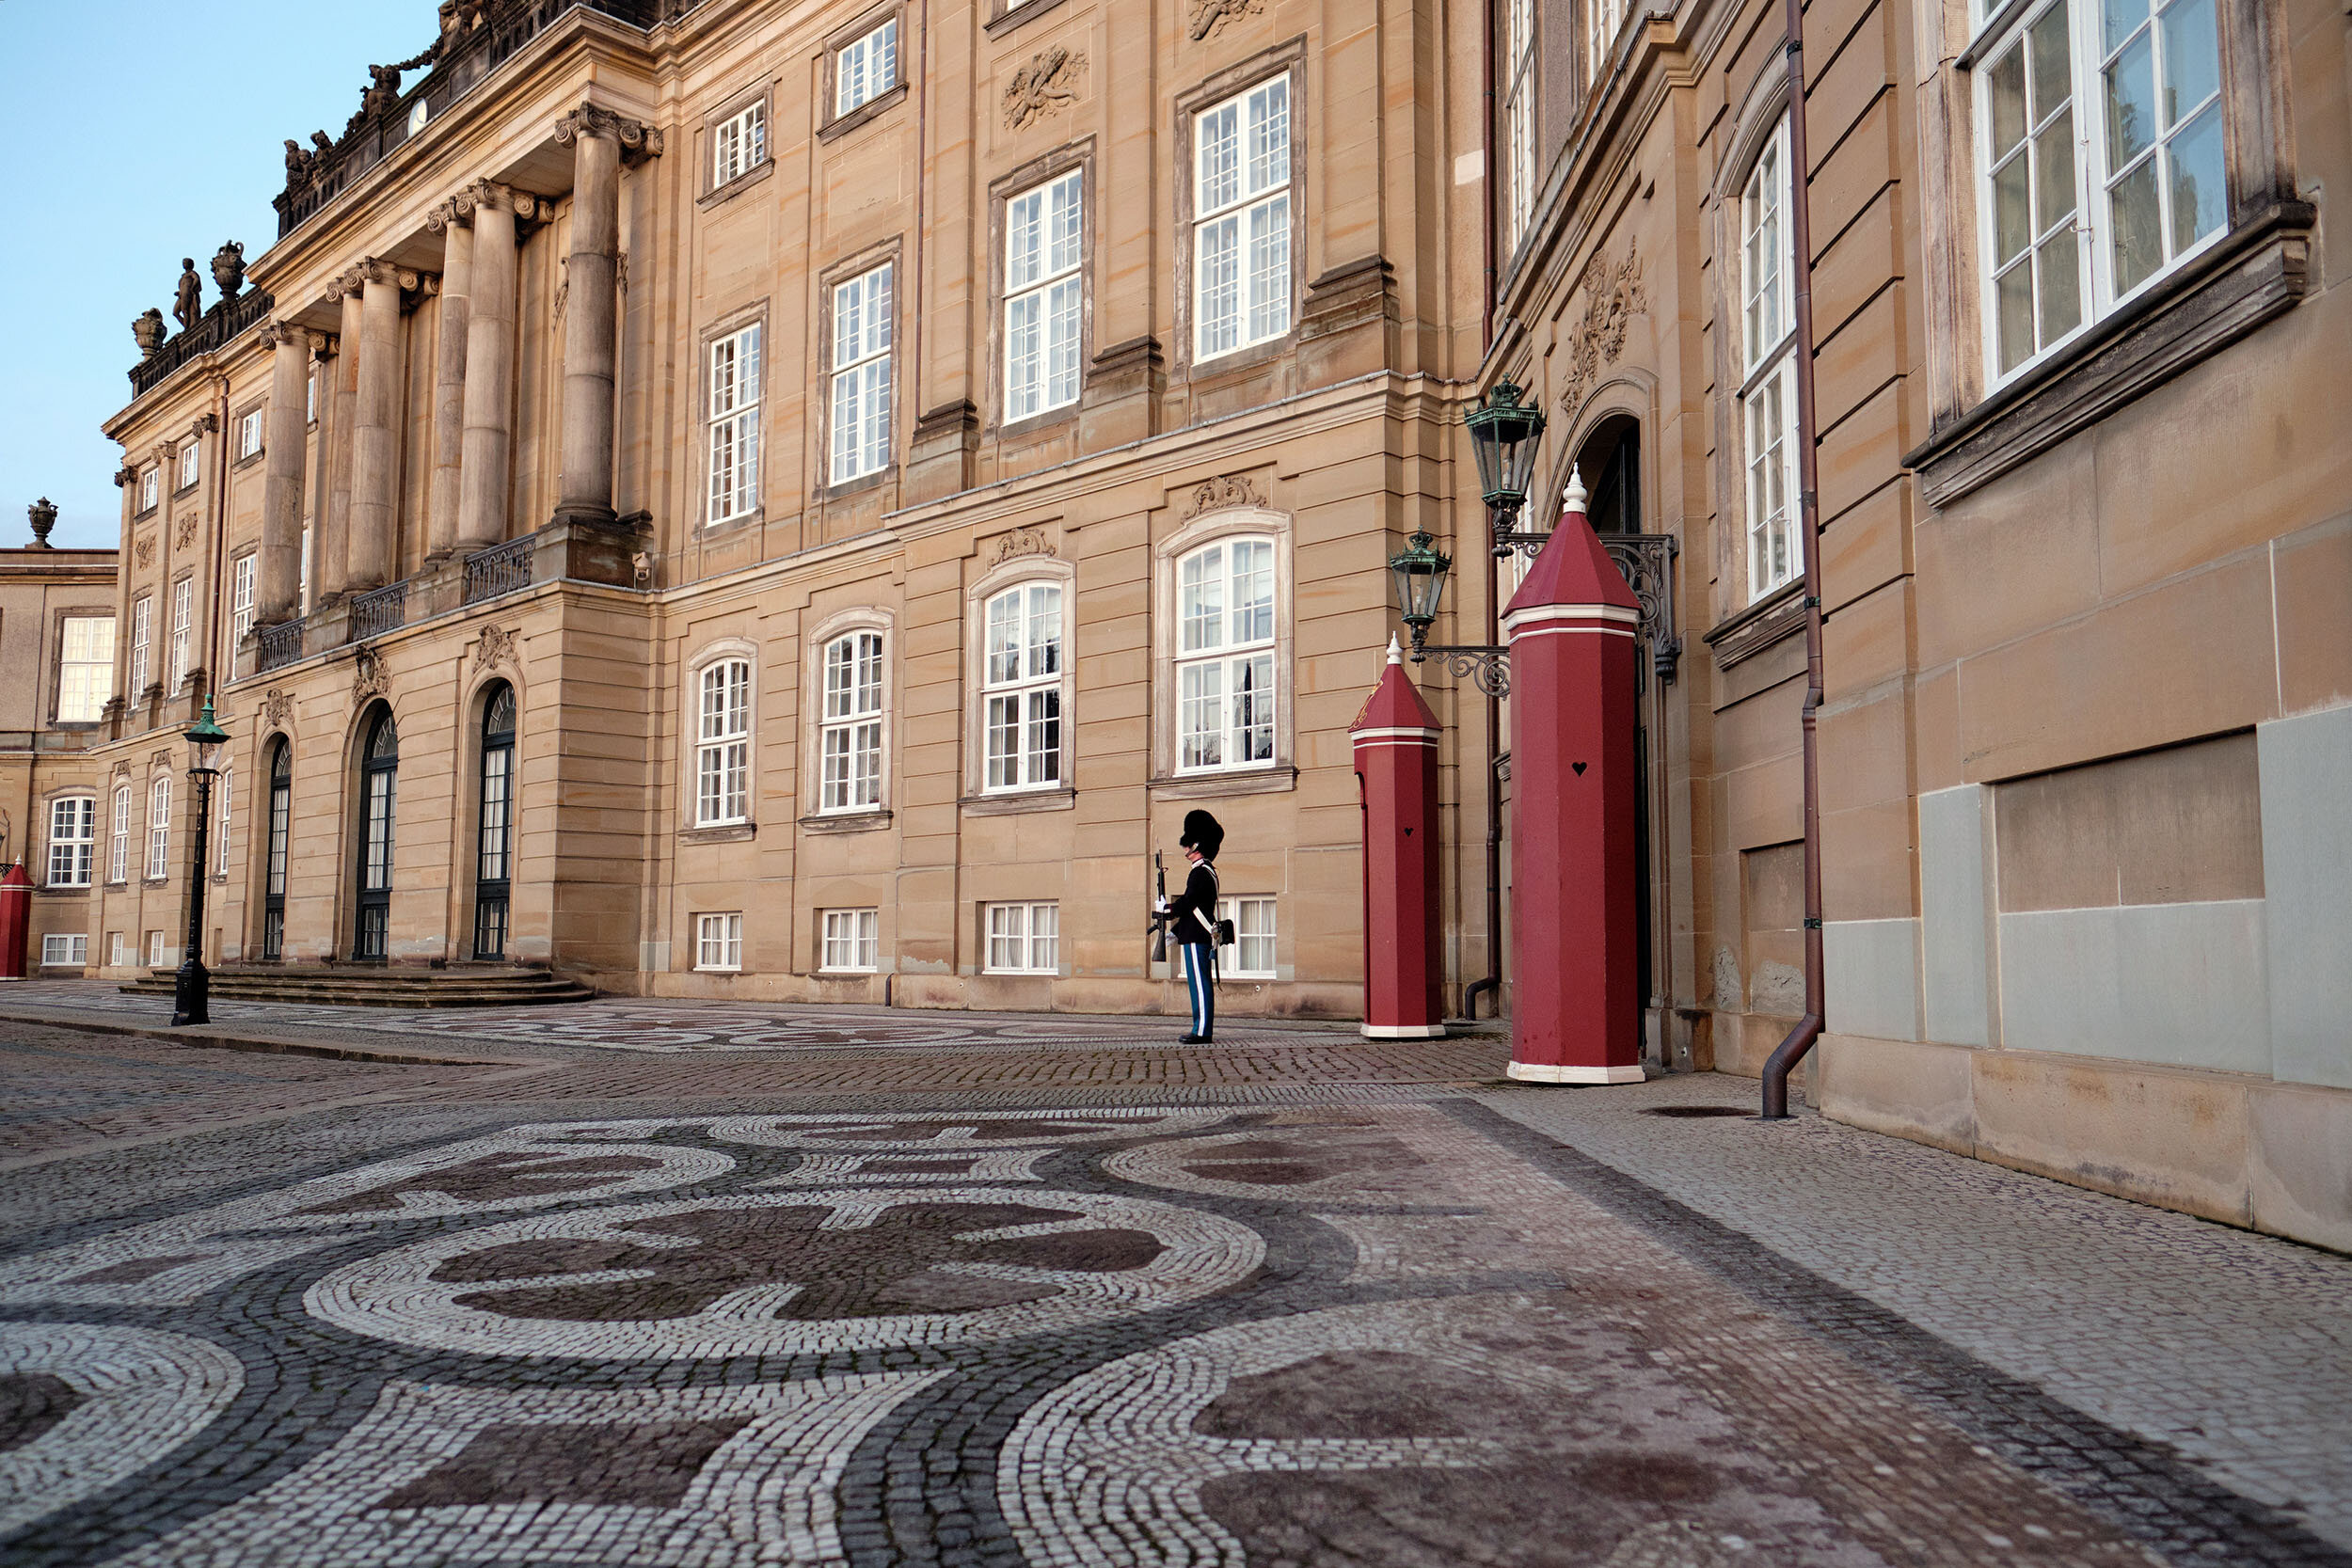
{"points": [[1580, 768]]}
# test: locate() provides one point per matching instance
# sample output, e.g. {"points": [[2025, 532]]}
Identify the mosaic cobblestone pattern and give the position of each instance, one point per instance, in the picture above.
{"points": [[925, 1332]]}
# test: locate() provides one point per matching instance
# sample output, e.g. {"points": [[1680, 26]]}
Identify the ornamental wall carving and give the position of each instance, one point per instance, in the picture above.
{"points": [[1208, 16], [144, 551], [367, 679], [1048, 84], [1020, 543], [1612, 297], [277, 709], [494, 646], [1222, 495]]}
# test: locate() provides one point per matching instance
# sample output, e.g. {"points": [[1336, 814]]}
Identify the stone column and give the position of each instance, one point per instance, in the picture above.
{"points": [[590, 316], [375, 442], [449, 379], [484, 444], [278, 595], [329, 577]]}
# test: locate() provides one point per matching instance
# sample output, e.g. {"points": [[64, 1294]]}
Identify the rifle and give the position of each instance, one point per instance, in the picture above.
{"points": [[1159, 925]]}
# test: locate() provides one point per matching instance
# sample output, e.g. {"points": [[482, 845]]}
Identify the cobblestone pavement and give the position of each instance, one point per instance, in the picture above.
{"points": [[970, 1300]]}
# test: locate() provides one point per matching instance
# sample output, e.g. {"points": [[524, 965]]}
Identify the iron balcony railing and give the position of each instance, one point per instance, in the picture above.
{"points": [[281, 644], [379, 610], [452, 70], [500, 570]]}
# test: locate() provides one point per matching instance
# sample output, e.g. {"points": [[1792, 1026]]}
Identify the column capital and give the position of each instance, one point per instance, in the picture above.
{"points": [[285, 335], [504, 199], [457, 212], [637, 140], [206, 423]]}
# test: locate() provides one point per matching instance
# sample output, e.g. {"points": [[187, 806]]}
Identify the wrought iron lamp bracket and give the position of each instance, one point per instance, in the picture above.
{"points": [[1488, 668]]}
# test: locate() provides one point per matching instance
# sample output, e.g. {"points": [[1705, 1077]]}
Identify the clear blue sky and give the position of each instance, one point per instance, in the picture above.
{"points": [[135, 134]]}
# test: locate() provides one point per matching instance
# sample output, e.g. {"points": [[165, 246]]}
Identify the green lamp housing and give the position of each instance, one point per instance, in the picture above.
{"points": [[1504, 434], [1421, 571], [205, 738]]}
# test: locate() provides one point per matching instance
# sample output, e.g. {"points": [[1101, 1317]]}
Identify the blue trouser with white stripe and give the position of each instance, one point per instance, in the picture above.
{"points": [[1197, 957]]}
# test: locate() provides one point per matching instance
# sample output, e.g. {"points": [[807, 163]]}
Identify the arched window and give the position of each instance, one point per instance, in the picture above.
{"points": [[159, 826], [274, 871], [73, 839], [379, 773], [1224, 655], [1023, 718], [851, 744], [119, 836], [1768, 398], [722, 753], [494, 856]]}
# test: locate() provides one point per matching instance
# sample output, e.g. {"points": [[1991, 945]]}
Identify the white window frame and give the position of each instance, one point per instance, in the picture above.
{"points": [[118, 949], [241, 578], [1022, 671], [155, 949], [739, 144], [72, 840], [1021, 938], [865, 68], [1212, 639], [1258, 210], [2091, 224], [723, 746], [1603, 21], [226, 789], [719, 942], [142, 642], [150, 485], [851, 942], [249, 433], [853, 686], [73, 954], [183, 624], [1772, 541], [119, 835], [159, 826], [1255, 920], [1044, 295], [858, 389], [733, 381], [191, 465], [86, 667], [1518, 120]]}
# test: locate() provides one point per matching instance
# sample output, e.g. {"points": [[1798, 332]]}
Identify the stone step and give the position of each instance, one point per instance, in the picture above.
{"points": [[485, 986]]}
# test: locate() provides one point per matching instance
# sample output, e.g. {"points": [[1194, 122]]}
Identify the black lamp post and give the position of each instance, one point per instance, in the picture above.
{"points": [[1504, 435], [192, 993]]}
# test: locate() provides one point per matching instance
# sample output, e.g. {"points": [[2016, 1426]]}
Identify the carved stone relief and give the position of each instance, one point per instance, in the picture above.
{"points": [[1210, 15], [185, 534], [1020, 543], [1044, 87], [277, 709], [144, 551], [367, 679], [494, 646], [1612, 296], [1221, 495]]}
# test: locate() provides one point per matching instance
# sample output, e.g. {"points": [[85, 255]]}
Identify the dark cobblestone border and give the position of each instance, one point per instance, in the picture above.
{"points": [[2146, 1488]]}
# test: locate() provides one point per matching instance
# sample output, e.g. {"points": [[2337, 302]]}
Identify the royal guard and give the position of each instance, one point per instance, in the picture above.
{"points": [[1191, 920]]}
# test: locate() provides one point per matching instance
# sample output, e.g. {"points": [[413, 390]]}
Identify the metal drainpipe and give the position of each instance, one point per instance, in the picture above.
{"points": [[1486, 180], [1493, 978], [1791, 1051]]}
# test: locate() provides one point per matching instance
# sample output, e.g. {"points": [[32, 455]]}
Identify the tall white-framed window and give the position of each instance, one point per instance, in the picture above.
{"points": [[722, 749], [73, 839], [61, 949], [1024, 939], [861, 374], [719, 942], [867, 68], [1021, 718], [1768, 389], [118, 949], [1044, 294], [1519, 120], [1253, 937], [1603, 21], [86, 667], [1224, 655], [849, 744], [1241, 237], [311, 398], [734, 394], [739, 144], [182, 616], [119, 836], [189, 464], [241, 576], [150, 485], [226, 789], [249, 433], [154, 950], [2077, 217], [852, 941], [302, 577], [142, 640], [159, 826]]}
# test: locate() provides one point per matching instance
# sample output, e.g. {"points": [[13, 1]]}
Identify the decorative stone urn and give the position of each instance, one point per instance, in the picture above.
{"points": [[149, 329], [44, 515], [228, 269]]}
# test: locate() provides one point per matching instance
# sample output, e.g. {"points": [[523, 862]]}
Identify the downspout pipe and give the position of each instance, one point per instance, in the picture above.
{"points": [[1492, 981], [1791, 1051]]}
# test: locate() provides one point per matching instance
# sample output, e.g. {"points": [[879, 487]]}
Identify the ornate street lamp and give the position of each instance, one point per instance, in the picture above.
{"points": [[1504, 435], [1421, 570], [192, 993]]}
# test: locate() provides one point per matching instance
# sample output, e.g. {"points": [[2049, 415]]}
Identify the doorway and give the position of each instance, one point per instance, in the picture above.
{"points": [[379, 775], [494, 838]]}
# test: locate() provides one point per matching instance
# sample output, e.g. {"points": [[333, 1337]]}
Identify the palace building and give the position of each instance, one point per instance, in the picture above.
{"points": [[796, 501]]}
